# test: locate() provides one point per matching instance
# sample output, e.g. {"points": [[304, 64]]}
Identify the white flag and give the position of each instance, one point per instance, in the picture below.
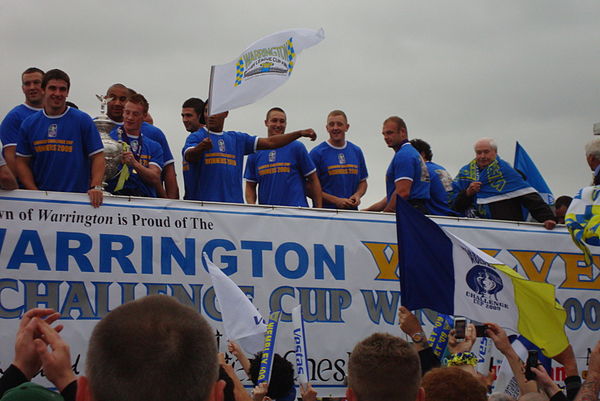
{"points": [[241, 320], [259, 70]]}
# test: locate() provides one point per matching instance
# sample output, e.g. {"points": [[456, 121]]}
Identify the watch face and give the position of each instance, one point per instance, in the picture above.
{"points": [[418, 337]]}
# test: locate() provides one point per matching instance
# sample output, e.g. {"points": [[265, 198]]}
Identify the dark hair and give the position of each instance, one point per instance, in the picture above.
{"points": [[138, 98], [31, 70], [274, 109], [398, 121], [71, 104], [56, 74], [153, 348], [422, 147], [282, 375], [564, 200], [198, 106]]}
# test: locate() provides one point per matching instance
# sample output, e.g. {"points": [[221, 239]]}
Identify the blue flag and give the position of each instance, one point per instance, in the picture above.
{"points": [[524, 164]]}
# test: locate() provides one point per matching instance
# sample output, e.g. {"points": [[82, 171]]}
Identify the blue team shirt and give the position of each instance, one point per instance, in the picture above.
{"points": [[156, 134], [340, 170], [151, 153], [60, 148], [407, 164], [9, 130], [218, 173], [280, 174], [437, 204]]}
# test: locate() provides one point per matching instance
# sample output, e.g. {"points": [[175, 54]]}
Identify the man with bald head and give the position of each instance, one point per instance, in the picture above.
{"points": [[488, 187]]}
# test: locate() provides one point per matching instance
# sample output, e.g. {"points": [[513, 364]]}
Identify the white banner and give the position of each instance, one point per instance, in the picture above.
{"points": [[57, 251]]}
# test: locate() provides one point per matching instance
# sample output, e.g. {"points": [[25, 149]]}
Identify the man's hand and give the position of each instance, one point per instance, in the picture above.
{"points": [[355, 200], [499, 337], [96, 197], [308, 133], [549, 224], [307, 393], [454, 346], [204, 145], [544, 381], [56, 361], [127, 158], [234, 348], [26, 357], [594, 364], [473, 188], [408, 322]]}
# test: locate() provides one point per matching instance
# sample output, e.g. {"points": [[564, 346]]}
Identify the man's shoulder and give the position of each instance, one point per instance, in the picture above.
{"points": [[153, 132], [353, 146]]}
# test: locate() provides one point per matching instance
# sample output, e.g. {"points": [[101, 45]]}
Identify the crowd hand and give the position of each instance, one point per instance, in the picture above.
{"points": [[455, 346], [260, 392], [549, 224], [308, 133], [307, 392], [473, 188], [355, 200], [488, 379], [96, 196], [544, 381], [55, 355], [234, 348], [27, 359], [409, 323], [594, 364], [499, 337], [344, 203]]}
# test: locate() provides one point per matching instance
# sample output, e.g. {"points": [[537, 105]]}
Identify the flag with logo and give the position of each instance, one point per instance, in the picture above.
{"points": [[441, 272], [261, 68], [241, 320], [525, 164]]}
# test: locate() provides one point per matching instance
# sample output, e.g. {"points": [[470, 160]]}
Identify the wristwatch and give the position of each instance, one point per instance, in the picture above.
{"points": [[419, 338], [98, 187]]}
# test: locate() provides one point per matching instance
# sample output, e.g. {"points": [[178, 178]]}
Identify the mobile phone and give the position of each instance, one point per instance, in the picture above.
{"points": [[491, 364], [532, 360], [480, 330], [460, 326]]}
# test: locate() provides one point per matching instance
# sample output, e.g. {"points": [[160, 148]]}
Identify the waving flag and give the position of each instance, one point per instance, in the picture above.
{"points": [[241, 320], [583, 220], [524, 164], [441, 272], [263, 67]]}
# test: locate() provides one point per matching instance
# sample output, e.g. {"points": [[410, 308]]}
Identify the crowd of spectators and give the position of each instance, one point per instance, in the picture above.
{"points": [[155, 348], [49, 144]]}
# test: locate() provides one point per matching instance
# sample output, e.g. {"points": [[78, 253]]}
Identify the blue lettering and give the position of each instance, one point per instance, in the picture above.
{"points": [[63, 251], [37, 257], [322, 258], [229, 260], [147, 253], [169, 249], [280, 262], [107, 253], [257, 248]]}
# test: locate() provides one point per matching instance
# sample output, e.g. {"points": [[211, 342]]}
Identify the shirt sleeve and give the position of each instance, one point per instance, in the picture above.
{"points": [[91, 137], [362, 166], [156, 156], [192, 140], [305, 163], [250, 171], [9, 129], [404, 168], [23, 143]]}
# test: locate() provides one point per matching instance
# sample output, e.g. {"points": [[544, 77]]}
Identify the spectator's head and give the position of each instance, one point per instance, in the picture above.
{"points": [[118, 93], [592, 153], [276, 121], [561, 205], [337, 126], [423, 148], [394, 132], [153, 348], [192, 114], [383, 367], [282, 376], [486, 151], [228, 390], [452, 384], [31, 85]]}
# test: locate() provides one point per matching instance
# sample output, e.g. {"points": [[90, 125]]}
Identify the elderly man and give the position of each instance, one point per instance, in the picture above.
{"points": [[592, 155], [488, 187]]}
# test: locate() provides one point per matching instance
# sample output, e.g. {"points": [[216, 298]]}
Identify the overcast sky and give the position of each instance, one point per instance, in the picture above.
{"points": [[455, 71]]}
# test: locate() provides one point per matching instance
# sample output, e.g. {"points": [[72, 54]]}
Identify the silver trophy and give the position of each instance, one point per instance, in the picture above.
{"points": [[112, 149]]}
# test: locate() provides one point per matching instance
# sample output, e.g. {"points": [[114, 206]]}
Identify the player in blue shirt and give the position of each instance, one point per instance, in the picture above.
{"points": [[340, 165], [31, 85], [59, 148], [281, 174], [407, 175], [216, 158], [7, 179], [119, 94], [144, 157], [192, 116]]}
